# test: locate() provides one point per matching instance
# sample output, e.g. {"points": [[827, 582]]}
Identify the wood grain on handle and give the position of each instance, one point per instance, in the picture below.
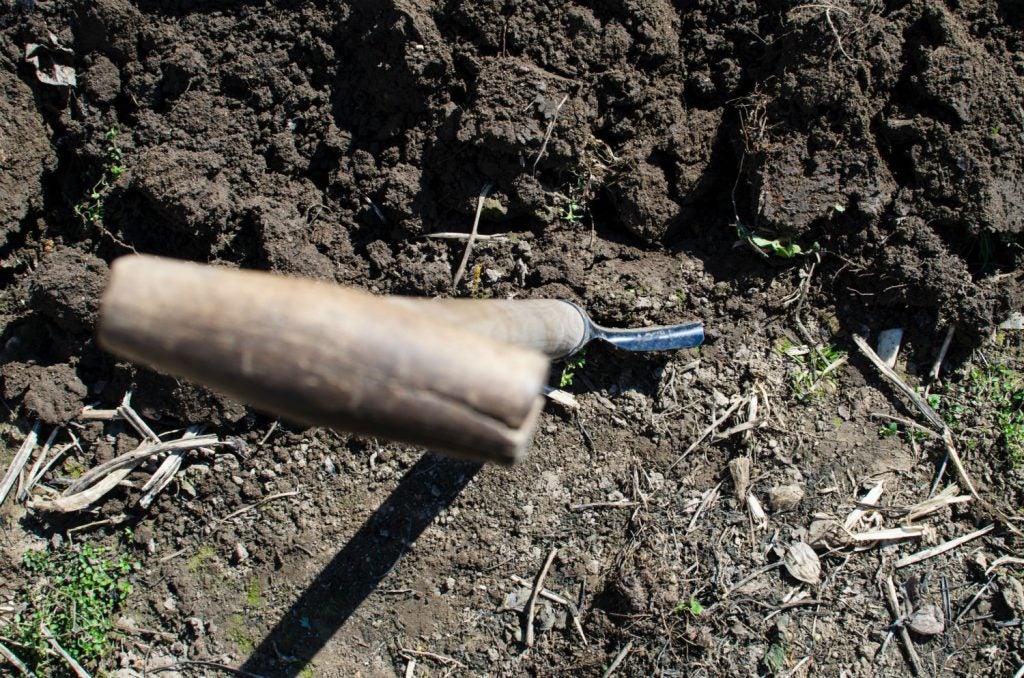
{"points": [[555, 328], [325, 355]]}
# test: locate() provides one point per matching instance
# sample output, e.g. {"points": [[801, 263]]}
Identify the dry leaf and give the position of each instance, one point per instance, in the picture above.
{"points": [[802, 563], [52, 62]]}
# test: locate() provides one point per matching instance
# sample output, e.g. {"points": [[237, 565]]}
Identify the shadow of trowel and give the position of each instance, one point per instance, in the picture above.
{"points": [[429, 487]]}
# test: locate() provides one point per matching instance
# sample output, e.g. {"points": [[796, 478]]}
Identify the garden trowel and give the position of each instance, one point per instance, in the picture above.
{"points": [[462, 377]]}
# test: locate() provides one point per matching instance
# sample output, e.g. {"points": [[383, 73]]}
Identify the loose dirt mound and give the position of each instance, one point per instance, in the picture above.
{"points": [[639, 156]]}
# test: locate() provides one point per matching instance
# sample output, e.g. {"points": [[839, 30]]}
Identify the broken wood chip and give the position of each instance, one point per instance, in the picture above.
{"points": [[757, 513], [802, 563], [739, 469], [869, 499]]}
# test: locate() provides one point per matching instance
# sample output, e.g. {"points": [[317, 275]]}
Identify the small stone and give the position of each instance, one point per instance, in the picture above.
{"points": [[927, 620], [449, 584], [785, 497], [826, 533], [330, 467], [238, 480], [196, 625], [1012, 593], [170, 604], [241, 553]]}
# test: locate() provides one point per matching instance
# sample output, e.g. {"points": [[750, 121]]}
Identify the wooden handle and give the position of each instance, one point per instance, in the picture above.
{"points": [[325, 355], [555, 328]]}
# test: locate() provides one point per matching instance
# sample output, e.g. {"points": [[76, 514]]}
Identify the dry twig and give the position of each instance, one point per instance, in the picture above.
{"points": [[13, 660], [561, 600], [206, 663], [75, 666], [934, 372], [712, 427], [484, 192], [261, 502], [447, 661], [454, 235], [1004, 560], [531, 603], [894, 606], [547, 134], [618, 659], [922, 405]]}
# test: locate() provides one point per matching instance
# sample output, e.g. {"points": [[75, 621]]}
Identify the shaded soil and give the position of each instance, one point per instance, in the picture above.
{"points": [[633, 149]]}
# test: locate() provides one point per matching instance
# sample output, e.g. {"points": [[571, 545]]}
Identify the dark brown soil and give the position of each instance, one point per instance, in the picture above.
{"points": [[632, 147]]}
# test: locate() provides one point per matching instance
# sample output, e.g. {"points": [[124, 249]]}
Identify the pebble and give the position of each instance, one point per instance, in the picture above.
{"points": [[330, 467], [196, 625], [237, 480], [241, 553], [784, 497]]}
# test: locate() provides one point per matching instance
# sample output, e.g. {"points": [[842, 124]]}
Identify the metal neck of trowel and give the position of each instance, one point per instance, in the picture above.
{"points": [[661, 338]]}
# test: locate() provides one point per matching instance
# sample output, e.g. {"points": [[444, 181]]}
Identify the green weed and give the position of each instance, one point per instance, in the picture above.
{"points": [[818, 367], [74, 594], [889, 430], [991, 398], [476, 286], [1003, 389], [766, 246], [692, 606], [237, 631], [254, 593], [90, 209], [577, 204], [573, 214], [777, 657], [199, 560], [572, 364]]}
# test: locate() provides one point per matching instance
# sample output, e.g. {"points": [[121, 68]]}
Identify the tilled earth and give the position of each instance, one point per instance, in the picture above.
{"points": [[791, 174]]}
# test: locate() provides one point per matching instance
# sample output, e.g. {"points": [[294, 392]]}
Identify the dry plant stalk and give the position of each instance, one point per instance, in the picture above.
{"points": [[18, 463], [942, 548], [95, 483]]}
